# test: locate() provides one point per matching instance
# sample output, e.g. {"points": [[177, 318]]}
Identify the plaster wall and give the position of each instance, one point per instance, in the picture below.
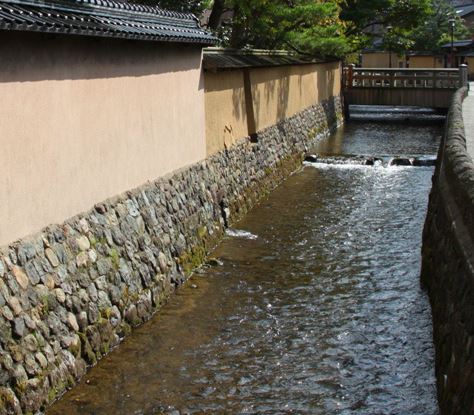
{"points": [[470, 66], [281, 92], [382, 60], [70, 293], [88, 119], [426, 62], [226, 111]]}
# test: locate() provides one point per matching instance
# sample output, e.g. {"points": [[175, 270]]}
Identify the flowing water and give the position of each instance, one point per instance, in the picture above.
{"points": [[316, 309]]}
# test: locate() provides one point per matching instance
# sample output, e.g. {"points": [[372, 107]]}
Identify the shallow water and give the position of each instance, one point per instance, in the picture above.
{"points": [[379, 131], [316, 309]]}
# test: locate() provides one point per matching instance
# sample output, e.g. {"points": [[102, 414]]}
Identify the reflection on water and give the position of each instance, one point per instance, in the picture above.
{"points": [[369, 133], [316, 309]]}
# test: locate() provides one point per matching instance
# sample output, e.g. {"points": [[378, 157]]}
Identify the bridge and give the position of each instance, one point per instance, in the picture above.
{"points": [[425, 87]]}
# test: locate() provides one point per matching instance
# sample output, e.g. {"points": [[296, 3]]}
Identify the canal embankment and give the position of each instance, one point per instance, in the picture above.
{"points": [[314, 306], [70, 292], [468, 119], [448, 262]]}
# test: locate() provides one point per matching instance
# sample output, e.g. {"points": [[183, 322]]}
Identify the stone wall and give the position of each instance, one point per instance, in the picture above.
{"points": [[448, 266], [72, 292]]}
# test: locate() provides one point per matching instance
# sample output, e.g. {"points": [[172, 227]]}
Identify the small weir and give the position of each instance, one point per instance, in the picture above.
{"points": [[377, 161], [313, 304]]}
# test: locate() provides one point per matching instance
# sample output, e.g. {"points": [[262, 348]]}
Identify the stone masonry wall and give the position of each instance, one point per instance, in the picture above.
{"points": [[448, 266], [71, 293]]}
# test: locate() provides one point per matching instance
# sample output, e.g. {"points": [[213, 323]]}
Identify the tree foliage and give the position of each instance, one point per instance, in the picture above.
{"points": [[435, 30], [324, 28], [307, 26], [363, 14]]}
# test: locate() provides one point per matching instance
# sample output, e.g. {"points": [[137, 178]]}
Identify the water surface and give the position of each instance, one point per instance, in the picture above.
{"points": [[316, 309]]}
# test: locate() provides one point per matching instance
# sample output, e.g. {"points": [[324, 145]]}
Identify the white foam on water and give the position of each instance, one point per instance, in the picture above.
{"points": [[342, 166], [239, 233], [378, 166]]}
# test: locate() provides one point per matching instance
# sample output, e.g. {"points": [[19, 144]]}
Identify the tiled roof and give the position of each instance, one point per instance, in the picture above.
{"points": [[421, 53], [103, 18], [459, 44], [222, 59], [466, 10]]}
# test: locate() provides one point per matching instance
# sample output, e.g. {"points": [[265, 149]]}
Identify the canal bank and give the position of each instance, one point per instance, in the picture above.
{"points": [[70, 294], [126, 172], [316, 308], [448, 262]]}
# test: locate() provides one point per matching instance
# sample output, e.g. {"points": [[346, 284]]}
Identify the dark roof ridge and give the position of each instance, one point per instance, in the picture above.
{"points": [[219, 59], [105, 18], [102, 5], [466, 10]]}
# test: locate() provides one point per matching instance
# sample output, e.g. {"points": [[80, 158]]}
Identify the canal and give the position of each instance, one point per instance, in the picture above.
{"points": [[316, 307]]}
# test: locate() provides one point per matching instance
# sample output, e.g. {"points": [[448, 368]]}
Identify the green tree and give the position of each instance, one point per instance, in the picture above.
{"points": [[369, 19], [402, 25], [436, 29], [306, 26], [360, 15], [323, 28], [309, 27]]}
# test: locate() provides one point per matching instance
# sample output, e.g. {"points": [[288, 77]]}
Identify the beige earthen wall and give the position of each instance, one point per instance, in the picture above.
{"points": [[381, 60], [470, 66], [82, 120], [426, 62], [281, 92], [274, 94], [226, 112]]}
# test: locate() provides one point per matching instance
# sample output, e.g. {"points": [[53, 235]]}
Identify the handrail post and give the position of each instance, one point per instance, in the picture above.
{"points": [[463, 75], [348, 84], [350, 75]]}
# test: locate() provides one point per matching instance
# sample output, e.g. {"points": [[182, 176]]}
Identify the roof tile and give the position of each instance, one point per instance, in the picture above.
{"points": [[216, 59], [105, 18]]}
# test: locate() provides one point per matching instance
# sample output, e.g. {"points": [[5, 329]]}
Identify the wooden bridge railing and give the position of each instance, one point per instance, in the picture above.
{"points": [[404, 78], [401, 87]]}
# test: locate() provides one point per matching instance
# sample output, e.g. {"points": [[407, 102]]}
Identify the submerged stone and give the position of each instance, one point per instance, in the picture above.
{"points": [[400, 162], [422, 162], [215, 262], [311, 158]]}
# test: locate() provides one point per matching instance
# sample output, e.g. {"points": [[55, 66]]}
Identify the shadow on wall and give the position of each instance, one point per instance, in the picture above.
{"points": [[222, 81], [282, 88], [244, 101], [39, 57], [282, 92], [226, 113], [326, 83], [239, 110], [270, 96]]}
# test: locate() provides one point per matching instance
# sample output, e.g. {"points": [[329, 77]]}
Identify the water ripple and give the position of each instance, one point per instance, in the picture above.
{"points": [[322, 313]]}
